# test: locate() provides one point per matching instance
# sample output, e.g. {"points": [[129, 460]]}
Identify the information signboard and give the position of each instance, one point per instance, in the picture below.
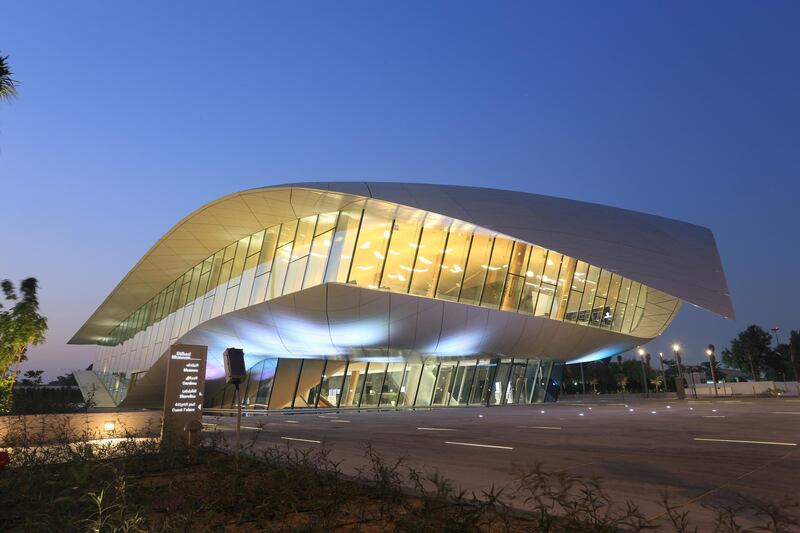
{"points": [[183, 392]]}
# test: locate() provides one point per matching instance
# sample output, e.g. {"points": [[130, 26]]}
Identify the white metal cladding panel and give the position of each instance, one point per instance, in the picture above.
{"points": [[296, 326]]}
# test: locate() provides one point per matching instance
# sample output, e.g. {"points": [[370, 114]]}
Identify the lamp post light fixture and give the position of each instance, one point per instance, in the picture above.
{"points": [[663, 374], [644, 373], [680, 389], [775, 331], [712, 361]]}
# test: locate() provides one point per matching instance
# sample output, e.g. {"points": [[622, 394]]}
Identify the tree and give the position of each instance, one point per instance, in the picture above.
{"points": [[65, 380], [794, 348], [20, 328], [32, 378], [8, 86], [750, 351], [657, 382]]}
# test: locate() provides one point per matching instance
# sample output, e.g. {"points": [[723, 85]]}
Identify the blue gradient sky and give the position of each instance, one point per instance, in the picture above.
{"points": [[130, 116]]}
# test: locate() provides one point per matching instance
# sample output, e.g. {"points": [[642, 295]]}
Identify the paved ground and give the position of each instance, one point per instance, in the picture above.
{"points": [[702, 452]]}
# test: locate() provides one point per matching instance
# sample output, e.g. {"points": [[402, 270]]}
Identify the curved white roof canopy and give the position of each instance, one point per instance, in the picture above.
{"points": [[675, 257]]}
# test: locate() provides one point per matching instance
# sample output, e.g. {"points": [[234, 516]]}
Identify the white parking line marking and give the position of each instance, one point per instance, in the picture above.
{"points": [[340, 421], [478, 445], [538, 427], [251, 427], [435, 429], [302, 440], [785, 413], [713, 416], [291, 421], [749, 442]]}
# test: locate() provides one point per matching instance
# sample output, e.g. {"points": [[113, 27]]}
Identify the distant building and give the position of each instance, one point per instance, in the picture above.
{"points": [[395, 295]]}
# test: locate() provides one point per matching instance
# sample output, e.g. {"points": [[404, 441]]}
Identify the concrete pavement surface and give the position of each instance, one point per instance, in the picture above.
{"points": [[701, 452]]}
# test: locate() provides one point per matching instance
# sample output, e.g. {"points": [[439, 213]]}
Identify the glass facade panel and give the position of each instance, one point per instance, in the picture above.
{"points": [[343, 242], [565, 276], [512, 292], [481, 382], [455, 261], [427, 383], [370, 252], [265, 385], [308, 386], [302, 241], [326, 222], [393, 385], [400, 257], [430, 253], [353, 384], [477, 264], [499, 390], [373, 384], [496, 272], [462, 384], [332, 384], [444, 383], [294, 277], [285, 383], [287, 233], [280, 268], [317, 259], [516, 383], [410, 386], [267, 250]]}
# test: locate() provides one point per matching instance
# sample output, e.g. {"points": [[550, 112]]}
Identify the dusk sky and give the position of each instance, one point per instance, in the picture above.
{"points": [[130, 116]]}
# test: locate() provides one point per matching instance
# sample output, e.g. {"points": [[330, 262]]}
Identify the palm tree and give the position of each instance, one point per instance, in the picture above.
{"points": [[8, 86]]}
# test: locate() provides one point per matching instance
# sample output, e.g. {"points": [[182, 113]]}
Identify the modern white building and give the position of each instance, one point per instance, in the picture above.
{"points": [[397, 295]]}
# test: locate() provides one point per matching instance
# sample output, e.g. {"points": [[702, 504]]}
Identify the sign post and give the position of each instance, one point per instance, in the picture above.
{"points": [[183, 393]]}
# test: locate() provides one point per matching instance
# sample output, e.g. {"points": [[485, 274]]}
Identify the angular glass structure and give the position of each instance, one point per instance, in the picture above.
{"points": [[402, 296]]}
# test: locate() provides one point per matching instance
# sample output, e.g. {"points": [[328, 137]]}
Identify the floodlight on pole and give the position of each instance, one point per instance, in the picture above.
{"points": [[712, 362]]}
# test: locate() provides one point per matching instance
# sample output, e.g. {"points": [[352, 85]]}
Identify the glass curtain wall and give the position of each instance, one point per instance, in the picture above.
{"points": [[277, 384]]}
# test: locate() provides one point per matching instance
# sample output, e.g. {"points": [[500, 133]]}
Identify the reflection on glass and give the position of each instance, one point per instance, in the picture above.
{"points": [[500, 392], [496, 272], [455, 262], [308, 386], [475, 273], [373, 384], [427, 383], [285, 383], [462, 384], [353, 384], [481, 381], [430, 253], [332, 384], [315, 271], [393, 384], [399, 265], [343, 242], [444, 382], [370, 252]]}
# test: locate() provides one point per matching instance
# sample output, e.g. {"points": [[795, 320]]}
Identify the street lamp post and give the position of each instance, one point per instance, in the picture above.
{"points": [[775, 330], [712, 361], [644, 373], [663, 374], [680, 389]]}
